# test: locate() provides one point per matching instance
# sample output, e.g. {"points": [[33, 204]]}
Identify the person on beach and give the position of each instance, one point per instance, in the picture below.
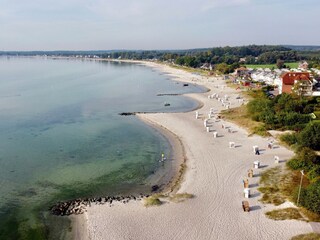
{"points": [[257, 152], [162, 157]]}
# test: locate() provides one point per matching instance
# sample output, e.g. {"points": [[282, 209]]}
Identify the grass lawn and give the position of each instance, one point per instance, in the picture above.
{"points": [[254, 66]]}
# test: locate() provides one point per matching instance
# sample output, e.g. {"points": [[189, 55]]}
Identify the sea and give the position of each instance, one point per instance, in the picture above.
{"points": [[61, 136]]}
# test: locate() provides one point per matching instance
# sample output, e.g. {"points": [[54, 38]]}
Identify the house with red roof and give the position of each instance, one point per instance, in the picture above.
{"points": [[242, 72], [301, 81]]}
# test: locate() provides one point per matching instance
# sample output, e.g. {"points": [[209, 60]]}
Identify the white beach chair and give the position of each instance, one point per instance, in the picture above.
{"points": [[255, 149]]}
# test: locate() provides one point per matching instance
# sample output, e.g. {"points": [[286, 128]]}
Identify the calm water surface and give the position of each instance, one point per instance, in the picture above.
{"points": [[61, 136]]}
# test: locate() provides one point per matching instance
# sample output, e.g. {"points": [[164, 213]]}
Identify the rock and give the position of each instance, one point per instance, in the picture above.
{"points": [[154, 188]]}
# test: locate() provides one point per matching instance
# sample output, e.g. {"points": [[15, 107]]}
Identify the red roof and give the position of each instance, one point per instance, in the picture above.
{"points": [[289, 77], [242, 69]]}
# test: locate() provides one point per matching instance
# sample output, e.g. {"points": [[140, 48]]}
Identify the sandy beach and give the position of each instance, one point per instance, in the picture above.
{"points": [[214, 176]]}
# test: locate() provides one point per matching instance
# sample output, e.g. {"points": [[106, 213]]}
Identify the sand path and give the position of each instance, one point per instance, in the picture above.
{"points": [[215, 173]]}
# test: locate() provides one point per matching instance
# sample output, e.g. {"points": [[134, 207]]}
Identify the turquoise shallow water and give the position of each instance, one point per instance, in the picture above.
{"points": [[61, 136]]}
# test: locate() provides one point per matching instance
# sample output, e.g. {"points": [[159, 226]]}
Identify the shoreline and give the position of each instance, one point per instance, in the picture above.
{"points": [[177, 157], [214, 175], [179, 153], [168, 183]]}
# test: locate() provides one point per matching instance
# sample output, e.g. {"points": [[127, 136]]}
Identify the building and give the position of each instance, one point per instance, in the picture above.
{"points": [[300, 79], [207, 66], [242, 60], [242, 72], [303, 65]]}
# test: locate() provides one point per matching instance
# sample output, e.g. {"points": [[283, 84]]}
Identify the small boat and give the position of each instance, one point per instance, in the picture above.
{"points": [[166, 104]]}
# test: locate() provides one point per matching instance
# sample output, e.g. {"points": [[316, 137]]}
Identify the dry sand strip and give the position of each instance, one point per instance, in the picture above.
{"points": [[214, 175]]}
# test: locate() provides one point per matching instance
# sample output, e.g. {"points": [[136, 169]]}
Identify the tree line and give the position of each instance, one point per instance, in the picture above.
{"points": [[252, 54], [195, 58]]}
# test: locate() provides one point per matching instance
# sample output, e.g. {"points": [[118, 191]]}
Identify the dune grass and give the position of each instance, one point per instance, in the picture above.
{"points": [[159, 198], [278, 185], [309, 236], [180, 197], [285, 214], [240, 117], [153, 200], [311, 216], [271, 187]]}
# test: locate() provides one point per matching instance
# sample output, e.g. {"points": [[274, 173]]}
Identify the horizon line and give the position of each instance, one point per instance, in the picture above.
{"points": [[177, 49]]}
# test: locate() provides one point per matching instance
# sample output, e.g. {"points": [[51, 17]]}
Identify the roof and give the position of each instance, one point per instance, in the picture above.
{"points": [[242, 69], [289, 77]]}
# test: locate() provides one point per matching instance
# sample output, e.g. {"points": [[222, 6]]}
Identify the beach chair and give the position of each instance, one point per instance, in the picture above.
{"points": [[245, 206]]}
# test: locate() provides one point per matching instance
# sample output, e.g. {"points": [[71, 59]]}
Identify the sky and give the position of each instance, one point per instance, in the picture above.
{"points": [[155, 24]]}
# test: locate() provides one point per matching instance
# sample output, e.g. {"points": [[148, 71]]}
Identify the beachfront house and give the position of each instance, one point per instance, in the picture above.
{"points": [[299, 82]]}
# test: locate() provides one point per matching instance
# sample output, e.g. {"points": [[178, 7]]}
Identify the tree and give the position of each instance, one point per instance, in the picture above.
{"points": [[310, 197], [310, 136], [222, 68], [280, 63], [180, 61]]}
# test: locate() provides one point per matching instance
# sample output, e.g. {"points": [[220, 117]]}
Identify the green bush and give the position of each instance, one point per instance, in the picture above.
{"points": [[314, 173], [257, 107], [296, 164], [289, 138], [310, 136], [308, 109], [310, 197], [261, 130], [317, 113], [290, 119], [305, 159], [308, 155], [297, 127], [269, 118]]}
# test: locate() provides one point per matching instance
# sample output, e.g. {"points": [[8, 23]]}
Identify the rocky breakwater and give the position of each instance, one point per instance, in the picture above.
{"points": [[133, 113], [78, 206]]}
